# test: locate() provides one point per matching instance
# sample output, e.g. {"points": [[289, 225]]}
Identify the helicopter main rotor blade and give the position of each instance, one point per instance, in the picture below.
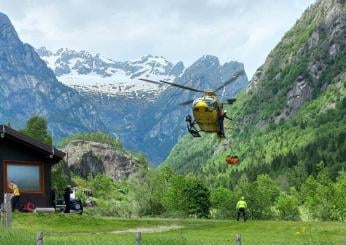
{"points": [[229, 81], [150, 81], [186, 102], [172, 84]]}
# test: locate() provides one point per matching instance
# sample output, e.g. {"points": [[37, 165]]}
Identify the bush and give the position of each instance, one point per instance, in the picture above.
{"points": [[223, 202], [339, 211], [318, 195], [197, 198], [261, 195], [287, 205], [147, 193], [61, 177], [111, 208], [103, 187]]}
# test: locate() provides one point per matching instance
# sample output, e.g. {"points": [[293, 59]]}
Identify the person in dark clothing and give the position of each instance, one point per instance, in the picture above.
{"points": [[53, 198], [222, 116], [67, 198], [191, 127]]}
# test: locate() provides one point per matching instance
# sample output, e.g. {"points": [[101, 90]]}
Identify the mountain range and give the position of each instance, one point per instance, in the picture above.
{"points": [[90, 73], [80, 92]]}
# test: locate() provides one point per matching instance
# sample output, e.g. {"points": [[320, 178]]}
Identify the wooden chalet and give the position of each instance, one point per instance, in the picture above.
{"points": [[28, 162]]}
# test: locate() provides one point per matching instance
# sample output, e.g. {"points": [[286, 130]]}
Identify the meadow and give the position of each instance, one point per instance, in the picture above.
{"points": [[77, 229]]}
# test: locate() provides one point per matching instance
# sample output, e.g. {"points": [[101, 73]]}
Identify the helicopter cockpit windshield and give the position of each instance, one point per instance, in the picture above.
{"points": [[209, 101]]}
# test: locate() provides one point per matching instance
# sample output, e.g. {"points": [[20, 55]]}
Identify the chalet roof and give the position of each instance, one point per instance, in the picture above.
{"points": [[6, 132]]}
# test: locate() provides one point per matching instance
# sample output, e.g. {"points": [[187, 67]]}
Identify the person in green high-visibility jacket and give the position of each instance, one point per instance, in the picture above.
{"points": [[241, 207]]}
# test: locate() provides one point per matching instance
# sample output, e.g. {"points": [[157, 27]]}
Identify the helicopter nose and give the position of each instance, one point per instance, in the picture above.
{"points": [[201, 105]]}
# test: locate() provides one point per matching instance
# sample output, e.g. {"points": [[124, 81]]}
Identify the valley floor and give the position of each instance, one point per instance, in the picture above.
{"points": [[76, 229]]}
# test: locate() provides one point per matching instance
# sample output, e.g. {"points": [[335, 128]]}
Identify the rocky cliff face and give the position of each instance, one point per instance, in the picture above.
{"points": [[87, 157], [309, 57], [28, 87]]}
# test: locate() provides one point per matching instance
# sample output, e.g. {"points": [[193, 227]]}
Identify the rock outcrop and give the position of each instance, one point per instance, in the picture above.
{"points": [[91, 158], [300, 93]]}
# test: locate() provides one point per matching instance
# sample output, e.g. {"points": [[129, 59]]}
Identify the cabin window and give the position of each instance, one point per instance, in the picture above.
{"points": [[210, 102], [27, 175]]}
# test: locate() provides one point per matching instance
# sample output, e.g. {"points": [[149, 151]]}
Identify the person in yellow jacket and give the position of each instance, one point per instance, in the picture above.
{"points": [[241, 207], [15, 196]]}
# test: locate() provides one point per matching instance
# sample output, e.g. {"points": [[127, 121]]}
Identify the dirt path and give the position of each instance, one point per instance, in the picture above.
{"points": [[154, 229]]}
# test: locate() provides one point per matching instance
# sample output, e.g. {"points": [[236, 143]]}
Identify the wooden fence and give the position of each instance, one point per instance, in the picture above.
{"points": [[138, 238]]}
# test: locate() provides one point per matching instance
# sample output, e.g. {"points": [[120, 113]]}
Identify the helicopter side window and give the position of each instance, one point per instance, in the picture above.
{"points": [[210, 102]]}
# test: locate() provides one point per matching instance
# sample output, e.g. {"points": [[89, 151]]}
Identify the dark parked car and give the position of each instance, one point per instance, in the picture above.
{"points": [[75, 206]]}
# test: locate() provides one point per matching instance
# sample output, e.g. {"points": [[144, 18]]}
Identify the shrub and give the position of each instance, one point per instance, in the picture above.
{"points": [[287, 205], [197, 198], [223, 202]]}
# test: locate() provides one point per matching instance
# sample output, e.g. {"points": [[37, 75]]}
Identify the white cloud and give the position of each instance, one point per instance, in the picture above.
{"points": [[179, 30]]}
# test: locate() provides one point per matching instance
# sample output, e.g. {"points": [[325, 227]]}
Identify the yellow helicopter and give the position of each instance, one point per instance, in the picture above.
{"points": [[207, 110]]}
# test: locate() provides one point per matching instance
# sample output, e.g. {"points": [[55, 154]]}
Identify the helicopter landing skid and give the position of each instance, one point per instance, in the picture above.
{"points": [[190, 124], [194, 133]]}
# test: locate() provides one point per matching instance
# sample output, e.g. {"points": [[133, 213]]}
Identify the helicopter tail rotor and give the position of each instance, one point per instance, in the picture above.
{"points": [[231, 100]]}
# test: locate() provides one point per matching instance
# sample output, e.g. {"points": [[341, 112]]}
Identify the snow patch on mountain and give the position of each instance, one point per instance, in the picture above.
{"points": [[90, 73]]}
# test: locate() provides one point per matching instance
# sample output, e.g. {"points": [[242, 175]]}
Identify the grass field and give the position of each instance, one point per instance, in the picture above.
{"points": [[76, 229]]}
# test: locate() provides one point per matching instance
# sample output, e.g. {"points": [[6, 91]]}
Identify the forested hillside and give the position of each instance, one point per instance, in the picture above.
{"points": [[291, 117]]}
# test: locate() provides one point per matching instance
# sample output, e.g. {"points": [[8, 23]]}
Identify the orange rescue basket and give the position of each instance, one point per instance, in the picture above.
{"points": [[232, 160]]}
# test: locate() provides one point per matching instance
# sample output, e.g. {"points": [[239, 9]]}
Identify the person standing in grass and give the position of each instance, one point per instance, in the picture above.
{"points": [[67, 198], [241, 207], [15, 196]]}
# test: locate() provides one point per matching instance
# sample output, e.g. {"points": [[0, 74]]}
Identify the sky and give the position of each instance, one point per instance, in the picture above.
{"points": [[179, 30]]}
